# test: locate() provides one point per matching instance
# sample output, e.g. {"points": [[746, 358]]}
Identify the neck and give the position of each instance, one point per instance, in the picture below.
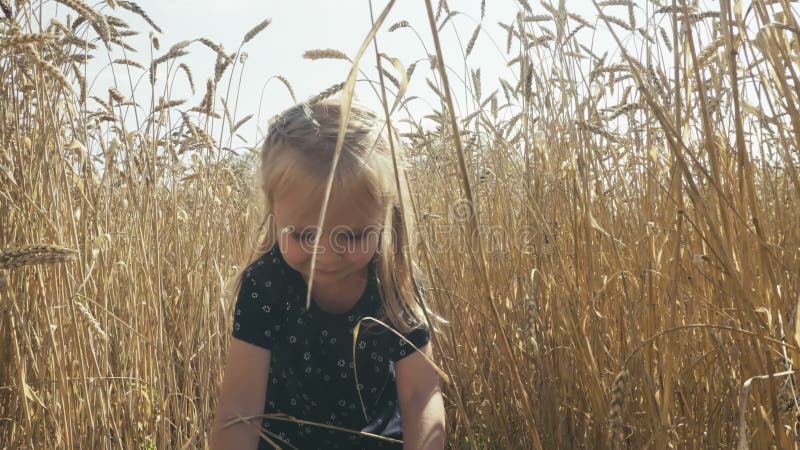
{"points": [[340, 296]]}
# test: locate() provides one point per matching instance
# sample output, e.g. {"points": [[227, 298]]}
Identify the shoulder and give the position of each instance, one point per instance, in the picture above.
{"points": [[400, 344], [264, 267], [258, 312], [265, 275]]}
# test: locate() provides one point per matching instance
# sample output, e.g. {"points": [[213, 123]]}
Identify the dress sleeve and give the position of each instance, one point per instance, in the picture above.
{"points": [[400, 348], [257, 320]]}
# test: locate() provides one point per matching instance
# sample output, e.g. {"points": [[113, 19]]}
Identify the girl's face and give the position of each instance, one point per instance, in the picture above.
{"points": [[349, 237]]}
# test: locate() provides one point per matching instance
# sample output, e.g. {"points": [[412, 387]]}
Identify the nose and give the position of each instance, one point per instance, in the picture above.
{"points": [[328, 253]]}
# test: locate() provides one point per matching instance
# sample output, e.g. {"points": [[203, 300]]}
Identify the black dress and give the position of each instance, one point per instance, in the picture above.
{"points": [[312, 373]]}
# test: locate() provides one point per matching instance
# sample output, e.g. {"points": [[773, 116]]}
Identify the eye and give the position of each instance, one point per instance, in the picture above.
{"points": [[351, 236], [307, 236], [354, 236]]}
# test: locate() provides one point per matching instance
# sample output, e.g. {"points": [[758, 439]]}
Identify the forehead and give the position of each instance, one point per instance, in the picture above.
{"points": [[299, 205]]}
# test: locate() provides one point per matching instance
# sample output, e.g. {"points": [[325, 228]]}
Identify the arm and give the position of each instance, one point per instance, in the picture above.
{"points": [[243, 392], [421, 405]]}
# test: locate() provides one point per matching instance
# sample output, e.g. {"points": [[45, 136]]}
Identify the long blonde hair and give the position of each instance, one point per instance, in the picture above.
{"points": [[300, 144]]}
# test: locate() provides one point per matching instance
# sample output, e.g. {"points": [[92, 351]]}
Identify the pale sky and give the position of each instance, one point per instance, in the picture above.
{"points": [[302, 25]]}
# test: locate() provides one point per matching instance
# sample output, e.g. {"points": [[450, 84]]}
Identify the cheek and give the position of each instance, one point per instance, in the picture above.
{"points": [[363, 250], [359, 258], [294, 254]]}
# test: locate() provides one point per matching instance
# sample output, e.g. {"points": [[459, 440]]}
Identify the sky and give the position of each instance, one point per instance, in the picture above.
{"points": [[300, 25]]}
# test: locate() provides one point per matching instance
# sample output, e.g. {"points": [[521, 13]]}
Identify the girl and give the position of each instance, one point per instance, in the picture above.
{"points": [[287, 360]]}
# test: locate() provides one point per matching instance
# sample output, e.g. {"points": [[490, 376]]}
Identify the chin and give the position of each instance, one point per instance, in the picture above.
{"points": [[307, 270], [327, 274], [337, 274]]}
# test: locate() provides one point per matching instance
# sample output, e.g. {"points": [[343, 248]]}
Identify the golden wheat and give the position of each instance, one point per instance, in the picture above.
{"points": [[616, 432], [256, 30], [6, 8], [398, 25], [24, 39], [128, 62], [133, 7], [35, 254], [94, 324], [327, 53], [634, 259], [188, 71]]}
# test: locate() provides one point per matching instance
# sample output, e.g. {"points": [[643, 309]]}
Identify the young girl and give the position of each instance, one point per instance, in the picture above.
{"points": [[289, 361]]}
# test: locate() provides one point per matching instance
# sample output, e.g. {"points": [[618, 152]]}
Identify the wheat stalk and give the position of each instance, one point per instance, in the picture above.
{"points": [[580, 20], [54, 72], [81, 82], [128, 62], [94, 324], [78, 42], [327, 53], [188, 73], [24, 39], [215, 47], [616, 21], [616, 3], [103, 103], [176, 51], [665, 37], [116, 96], [220, 67], [162, 104], [123, 44], [257, 29], [96, 20], [398, 25], [631, 17], [35, 254], [390, 77], [476, 82], [616, 433], [473, 39], [126, 33], [286, 83], [709, 51], [526, 6], [55, 23], [6, 8], [241, 122], [83, 10], [537, 18], [325, 94], [208, 98], [117, 22], [205, 111], [133, 7]]}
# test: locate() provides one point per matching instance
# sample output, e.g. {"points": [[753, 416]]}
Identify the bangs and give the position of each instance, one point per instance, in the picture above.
{"points": [[360, 187]]}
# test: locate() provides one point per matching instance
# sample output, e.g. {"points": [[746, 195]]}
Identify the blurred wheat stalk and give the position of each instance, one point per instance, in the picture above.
{"points": [[34, 254]]}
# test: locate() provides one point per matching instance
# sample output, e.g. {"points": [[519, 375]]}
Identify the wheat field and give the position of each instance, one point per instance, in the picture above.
{"points": [[614, 238]]}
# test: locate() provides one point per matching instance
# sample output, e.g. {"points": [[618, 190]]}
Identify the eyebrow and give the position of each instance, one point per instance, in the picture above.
{"points": [[355, 230]]}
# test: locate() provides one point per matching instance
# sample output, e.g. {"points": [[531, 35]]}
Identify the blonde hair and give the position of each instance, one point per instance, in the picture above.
{"points": [[301, 144]]}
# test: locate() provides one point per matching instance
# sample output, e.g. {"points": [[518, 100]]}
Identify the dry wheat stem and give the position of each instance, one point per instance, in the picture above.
{"points": [[328, 53], [257, 29], [35, 254]]}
